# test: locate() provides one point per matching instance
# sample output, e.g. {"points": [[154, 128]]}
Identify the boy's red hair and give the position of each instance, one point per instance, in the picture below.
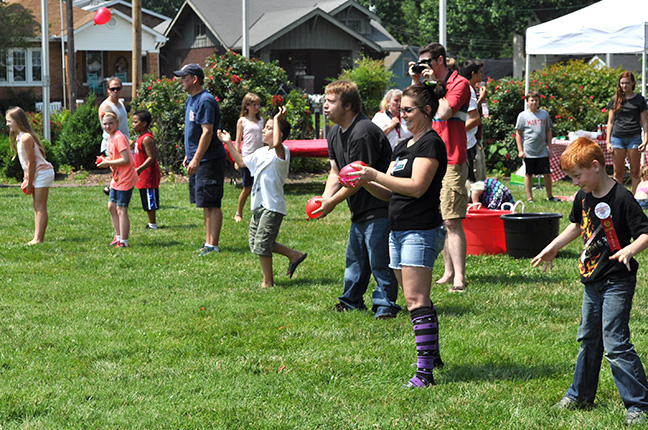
{"points": [[581, 153]]}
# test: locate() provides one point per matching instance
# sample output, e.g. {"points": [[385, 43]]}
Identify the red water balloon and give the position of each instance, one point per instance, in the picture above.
{"points": [[345, 179], [313, 205], [102, 16]]}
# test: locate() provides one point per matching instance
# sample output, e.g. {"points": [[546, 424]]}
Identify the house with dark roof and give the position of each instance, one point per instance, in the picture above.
{"points": [[101, 51], [312, 40]]}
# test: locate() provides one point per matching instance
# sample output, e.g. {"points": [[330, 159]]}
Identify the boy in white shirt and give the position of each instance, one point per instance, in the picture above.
{"points": [[269, 166]]}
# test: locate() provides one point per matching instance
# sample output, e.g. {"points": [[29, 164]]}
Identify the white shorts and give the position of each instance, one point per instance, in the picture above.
{"points": [[44, 178]]}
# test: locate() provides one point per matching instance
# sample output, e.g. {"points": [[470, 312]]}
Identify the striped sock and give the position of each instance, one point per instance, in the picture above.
{"points": [[426, 334]]}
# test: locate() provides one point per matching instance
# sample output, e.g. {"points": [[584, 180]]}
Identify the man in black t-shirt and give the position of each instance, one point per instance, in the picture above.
{"points": [[353, 138]]}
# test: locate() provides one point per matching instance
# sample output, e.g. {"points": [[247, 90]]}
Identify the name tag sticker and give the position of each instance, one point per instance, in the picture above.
{"points": [[399, 165]]}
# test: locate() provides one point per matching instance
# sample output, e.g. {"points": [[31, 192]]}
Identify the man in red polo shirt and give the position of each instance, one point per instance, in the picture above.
{"points": [[450, 124]]}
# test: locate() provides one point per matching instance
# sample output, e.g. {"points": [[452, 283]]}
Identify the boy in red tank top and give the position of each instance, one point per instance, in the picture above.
{"points": [[148, 168]]}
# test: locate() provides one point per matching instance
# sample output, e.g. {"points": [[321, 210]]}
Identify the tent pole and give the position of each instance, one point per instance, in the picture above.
{"points": [[643, 60], [526, 78]]}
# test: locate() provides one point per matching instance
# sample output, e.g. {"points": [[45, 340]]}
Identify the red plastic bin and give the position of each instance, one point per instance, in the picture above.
{"points": [[484, 231]]}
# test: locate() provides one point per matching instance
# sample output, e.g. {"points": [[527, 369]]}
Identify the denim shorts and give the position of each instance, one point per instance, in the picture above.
{"points": [[630, 142], [415, 248], [120, 198]]}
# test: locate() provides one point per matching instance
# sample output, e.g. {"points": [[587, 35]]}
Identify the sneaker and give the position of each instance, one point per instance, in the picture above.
{"points": [[202, 248], [152, 227], [341, 308], [115, 242], [636, 417], [530, 201], [553, 199], [417, 382], [570, 404], [123, 245], [207, 249]]}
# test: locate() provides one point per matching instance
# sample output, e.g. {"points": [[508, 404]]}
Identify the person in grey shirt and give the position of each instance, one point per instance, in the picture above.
{"points": [[533, 139]]}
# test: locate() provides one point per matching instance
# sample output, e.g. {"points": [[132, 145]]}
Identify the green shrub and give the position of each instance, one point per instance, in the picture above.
{"points": [[80, 139], [372, 79], [574, 94], [165, 100], [23, 98], [9, 169], [230, 76]]}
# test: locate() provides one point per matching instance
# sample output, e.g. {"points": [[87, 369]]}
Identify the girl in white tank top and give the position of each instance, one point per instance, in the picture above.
{"points": [[38, 172], [249, 130]]}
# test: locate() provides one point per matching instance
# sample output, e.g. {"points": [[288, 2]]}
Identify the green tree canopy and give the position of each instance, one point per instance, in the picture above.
{"points": [[165, 7], [475, 28], [20, 26]]}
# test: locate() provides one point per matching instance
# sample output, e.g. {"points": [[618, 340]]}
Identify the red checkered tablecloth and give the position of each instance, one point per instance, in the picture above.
{"points": [[559, 146]]}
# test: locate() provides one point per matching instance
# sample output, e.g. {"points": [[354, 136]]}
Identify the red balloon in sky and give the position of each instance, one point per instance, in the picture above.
{"points": [[102, 16]]}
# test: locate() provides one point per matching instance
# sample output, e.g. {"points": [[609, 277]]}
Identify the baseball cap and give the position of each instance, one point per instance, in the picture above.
{"points": [[190, 69]]}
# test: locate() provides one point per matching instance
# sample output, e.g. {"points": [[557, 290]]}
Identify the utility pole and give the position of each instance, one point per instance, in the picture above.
{"points": [[45, 69], [71, 57], [246, 39], [137, 47], [442, 24]]}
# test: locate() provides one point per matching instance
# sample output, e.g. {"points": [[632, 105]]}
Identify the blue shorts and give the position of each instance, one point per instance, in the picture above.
{"points": [[246, 177], [150, 199], [120, 198], [631, 142], [415, 248], [206, 186]]}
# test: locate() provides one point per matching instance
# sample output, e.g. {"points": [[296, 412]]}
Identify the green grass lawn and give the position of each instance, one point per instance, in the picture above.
{"points": [[155, 337]]}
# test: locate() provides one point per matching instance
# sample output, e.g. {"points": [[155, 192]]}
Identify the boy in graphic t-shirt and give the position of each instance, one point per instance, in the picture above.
{"points": [[533, 139], [614, 229]]}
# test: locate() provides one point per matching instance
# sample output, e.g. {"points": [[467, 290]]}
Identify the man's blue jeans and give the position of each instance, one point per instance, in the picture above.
{"points": [[367, 253], [604, 326]]}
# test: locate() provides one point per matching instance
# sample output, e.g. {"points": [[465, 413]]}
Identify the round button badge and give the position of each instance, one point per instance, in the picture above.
{"points": [[602, 210]]}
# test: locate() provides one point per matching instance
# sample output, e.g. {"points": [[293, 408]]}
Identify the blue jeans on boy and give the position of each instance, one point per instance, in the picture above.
{"points": [[604, 325], [367, 252]]}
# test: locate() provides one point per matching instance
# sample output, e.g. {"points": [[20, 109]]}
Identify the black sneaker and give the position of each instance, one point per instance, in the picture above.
{"points": [[340, 307], [106, 191], [553, 199]]}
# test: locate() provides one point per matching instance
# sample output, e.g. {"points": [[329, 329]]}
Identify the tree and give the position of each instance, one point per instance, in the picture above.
{"points": [[20, 25], [475, 29], [165, 7]]}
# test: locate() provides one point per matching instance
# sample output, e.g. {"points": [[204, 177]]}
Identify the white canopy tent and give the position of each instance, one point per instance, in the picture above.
{"points": [[606, 27]]}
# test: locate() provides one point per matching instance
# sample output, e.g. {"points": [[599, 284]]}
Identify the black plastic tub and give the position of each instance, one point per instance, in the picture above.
{"points": [[527, 234]]}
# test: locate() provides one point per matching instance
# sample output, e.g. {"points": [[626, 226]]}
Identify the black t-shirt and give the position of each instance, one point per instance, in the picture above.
{"points": [[411, 213], [629, 222], [364, 141], [627, 122]]}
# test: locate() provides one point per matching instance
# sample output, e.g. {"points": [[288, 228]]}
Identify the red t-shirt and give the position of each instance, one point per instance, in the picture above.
{"points": [[149, 177], [453, 130]]}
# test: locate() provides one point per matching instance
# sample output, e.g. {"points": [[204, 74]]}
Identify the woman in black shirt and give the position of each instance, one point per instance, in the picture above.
{"points": [[412, 185], [627, 113]]}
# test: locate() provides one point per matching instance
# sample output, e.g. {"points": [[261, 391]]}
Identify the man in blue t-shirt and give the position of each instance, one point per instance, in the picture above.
{"points": [[205, 156]]}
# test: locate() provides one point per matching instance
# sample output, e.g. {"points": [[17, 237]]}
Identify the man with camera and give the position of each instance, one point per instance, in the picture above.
{"points": [[450, 125]]}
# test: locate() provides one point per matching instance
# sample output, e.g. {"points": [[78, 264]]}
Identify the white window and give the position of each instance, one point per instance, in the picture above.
{"points": [[21, 66]]}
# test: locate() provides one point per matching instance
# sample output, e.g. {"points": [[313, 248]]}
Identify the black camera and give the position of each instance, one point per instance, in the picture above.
{"points": [[418, 68]]}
